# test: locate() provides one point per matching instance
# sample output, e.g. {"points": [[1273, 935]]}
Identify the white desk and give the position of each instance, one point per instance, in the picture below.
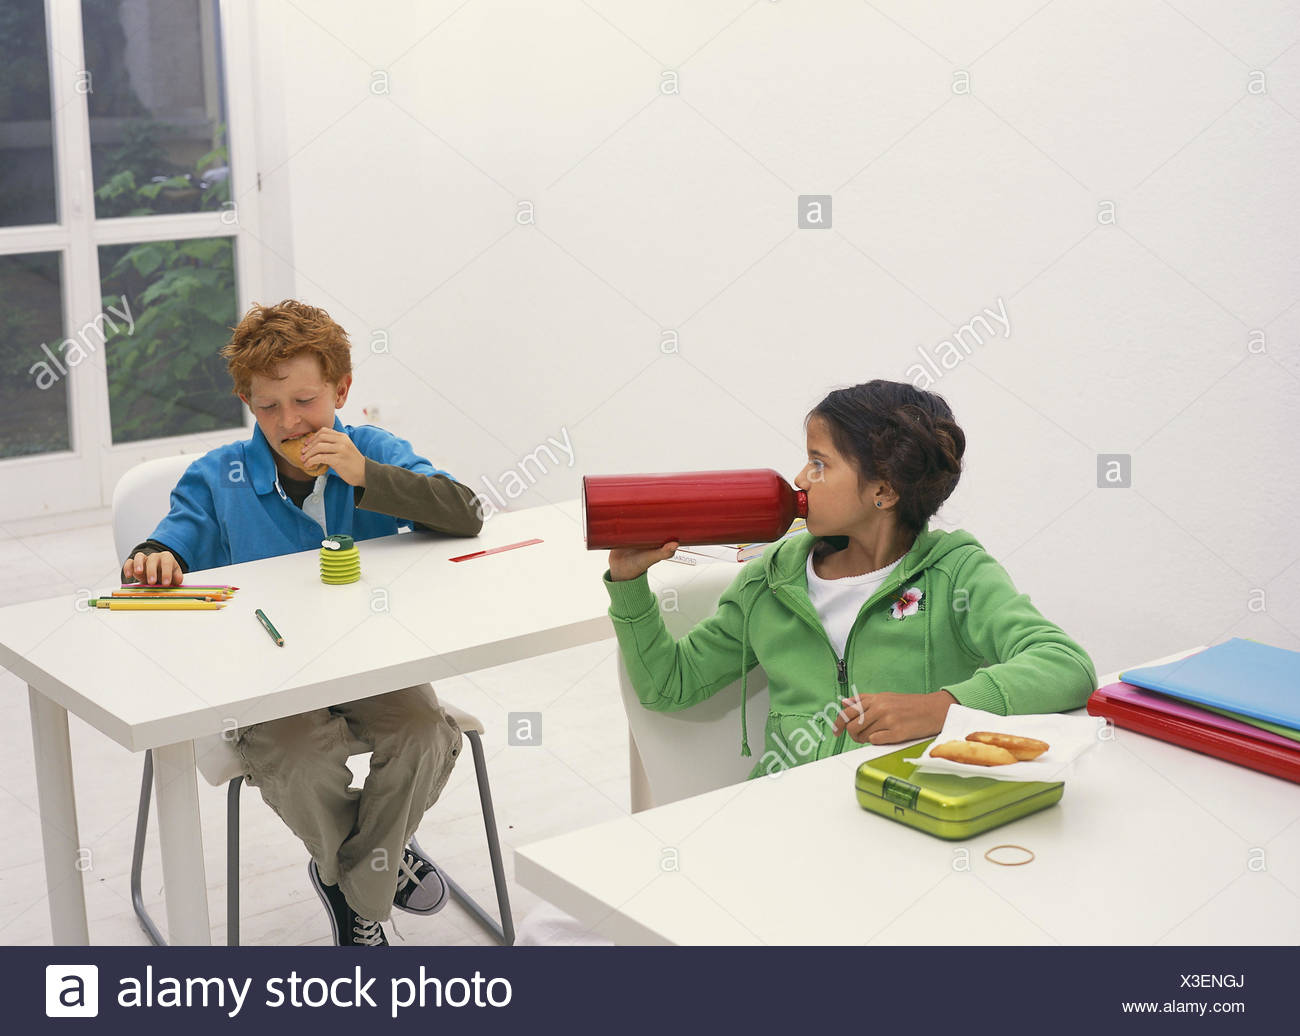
{"points": [[160, 679], [1150, 843]]}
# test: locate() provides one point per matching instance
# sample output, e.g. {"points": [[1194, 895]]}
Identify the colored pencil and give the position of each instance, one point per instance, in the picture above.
{"points": [[270, 629], [173, 590], [121, 604], [120, 595], [186, 586], [495, 550]]}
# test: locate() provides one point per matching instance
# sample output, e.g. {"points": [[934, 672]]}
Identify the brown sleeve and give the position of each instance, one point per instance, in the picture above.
{"points": [[154, 547], [434, 502]]}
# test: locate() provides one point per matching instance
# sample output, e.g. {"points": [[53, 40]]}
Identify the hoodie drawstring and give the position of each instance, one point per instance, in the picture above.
{"points": [[744, 686], [929, 616]]}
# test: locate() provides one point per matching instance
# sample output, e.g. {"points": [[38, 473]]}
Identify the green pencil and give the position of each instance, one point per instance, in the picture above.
{"points": [[266, 625]]}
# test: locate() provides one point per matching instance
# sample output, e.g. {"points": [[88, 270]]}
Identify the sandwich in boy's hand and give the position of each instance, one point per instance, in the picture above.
{"points": [[293, 450]]}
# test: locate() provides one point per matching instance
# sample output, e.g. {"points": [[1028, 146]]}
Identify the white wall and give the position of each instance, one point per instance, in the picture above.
{"points": [[657, 212]]}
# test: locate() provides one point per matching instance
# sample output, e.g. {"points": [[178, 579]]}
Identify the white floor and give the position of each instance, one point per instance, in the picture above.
{"points": [[577, 777]]}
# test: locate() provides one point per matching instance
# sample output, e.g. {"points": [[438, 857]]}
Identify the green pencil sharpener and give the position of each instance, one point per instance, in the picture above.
{"points": [[340, 561]]}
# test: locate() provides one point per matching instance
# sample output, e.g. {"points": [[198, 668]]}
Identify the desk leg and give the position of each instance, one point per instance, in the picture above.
{"points": [[57, 801], [185, 884], [639, 790]]}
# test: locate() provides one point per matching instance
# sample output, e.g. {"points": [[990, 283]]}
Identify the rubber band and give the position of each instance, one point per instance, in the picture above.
{"points": [[1006, 863]]}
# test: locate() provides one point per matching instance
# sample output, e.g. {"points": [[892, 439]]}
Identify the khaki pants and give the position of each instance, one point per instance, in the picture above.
{"points": [[355, 836]]}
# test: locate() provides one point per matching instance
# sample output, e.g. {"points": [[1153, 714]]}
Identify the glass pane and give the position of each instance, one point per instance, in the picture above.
{"points": [[165, 376], [26, 138], [157, 106], [34, 356]]}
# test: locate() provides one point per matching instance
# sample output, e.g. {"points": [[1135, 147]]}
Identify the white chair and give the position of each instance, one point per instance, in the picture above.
{"points": [[678, 754], [140, 500]]}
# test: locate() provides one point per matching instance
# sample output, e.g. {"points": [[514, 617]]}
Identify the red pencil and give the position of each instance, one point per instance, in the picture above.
{"points": [[495, 550]]}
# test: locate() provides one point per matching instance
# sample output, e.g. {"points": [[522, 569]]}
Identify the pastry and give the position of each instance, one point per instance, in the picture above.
{"points": [[1023, 748], [972, 752]]}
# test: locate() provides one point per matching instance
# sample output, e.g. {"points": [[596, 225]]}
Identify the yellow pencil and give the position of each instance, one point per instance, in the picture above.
{"points": [[122, 604]]}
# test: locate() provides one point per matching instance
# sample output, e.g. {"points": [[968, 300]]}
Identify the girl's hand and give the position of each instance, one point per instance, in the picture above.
{"points": [[630, 562], [884, 718]]}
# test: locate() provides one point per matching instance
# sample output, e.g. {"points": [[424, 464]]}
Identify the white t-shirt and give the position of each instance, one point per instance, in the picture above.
{"points": [[838, 601]]}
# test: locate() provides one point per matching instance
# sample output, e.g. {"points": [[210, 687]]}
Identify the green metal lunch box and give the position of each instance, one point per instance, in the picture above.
{"points": [[943, 804]]}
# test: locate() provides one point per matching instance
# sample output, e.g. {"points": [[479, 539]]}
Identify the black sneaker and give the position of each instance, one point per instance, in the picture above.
{"points": [[350, 928], [420, 888]]}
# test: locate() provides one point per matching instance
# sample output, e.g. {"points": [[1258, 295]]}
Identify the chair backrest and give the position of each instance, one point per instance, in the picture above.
{"points": [[142, 498], [697, 749]]}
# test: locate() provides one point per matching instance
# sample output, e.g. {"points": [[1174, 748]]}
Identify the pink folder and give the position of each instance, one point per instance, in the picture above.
{"points": [[1126, 692]]}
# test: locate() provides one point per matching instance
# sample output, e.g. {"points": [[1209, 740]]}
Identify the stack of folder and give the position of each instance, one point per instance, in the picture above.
{"points": [[1239, 701]]}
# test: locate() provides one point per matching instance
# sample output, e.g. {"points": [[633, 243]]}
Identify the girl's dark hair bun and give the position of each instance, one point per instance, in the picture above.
{"points": [[899, 434]]}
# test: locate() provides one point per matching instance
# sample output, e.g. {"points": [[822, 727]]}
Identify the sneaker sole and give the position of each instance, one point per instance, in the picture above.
{"points": [[317, 884], [446, 895]]}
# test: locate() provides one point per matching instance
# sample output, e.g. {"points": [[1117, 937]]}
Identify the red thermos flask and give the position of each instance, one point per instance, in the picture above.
{"points": [[691, 507]]}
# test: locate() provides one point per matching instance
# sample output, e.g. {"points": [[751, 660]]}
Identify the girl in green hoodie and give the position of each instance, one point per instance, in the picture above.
{"points": [[869, 624]]}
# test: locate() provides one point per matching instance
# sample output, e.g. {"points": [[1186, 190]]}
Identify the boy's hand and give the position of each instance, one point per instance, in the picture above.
{"points": [[161, 569], [883, 718], [629, 562], [332, 447]]}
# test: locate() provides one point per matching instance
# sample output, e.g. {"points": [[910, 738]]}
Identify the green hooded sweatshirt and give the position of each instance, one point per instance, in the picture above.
{"points": [[970, 633]]}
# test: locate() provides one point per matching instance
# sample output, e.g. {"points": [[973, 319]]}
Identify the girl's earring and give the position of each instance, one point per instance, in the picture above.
{"points": [[879, 504]]}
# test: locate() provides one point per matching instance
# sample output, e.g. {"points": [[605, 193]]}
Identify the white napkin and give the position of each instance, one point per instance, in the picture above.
{"points": [[1068, 736]]}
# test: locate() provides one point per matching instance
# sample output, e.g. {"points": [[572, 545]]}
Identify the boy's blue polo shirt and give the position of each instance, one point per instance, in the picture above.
{"points": [[229, 506]]}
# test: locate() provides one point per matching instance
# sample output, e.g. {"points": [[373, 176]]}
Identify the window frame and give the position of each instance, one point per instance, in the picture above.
{"points": [[43, 486]]}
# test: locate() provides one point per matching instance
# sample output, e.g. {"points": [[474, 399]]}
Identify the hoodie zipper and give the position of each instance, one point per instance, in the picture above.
{"points": [[843, 670], [849, 641], [841, 664]]}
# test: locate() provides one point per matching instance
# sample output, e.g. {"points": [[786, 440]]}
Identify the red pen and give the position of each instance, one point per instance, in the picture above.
{"points": [[495, 550]]}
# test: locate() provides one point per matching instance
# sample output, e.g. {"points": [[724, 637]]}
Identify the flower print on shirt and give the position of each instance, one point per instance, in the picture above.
{"points": [[907, 604]]}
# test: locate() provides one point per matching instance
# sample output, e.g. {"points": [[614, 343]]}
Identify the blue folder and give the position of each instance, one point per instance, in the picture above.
{"points": [[1244, 676]]}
